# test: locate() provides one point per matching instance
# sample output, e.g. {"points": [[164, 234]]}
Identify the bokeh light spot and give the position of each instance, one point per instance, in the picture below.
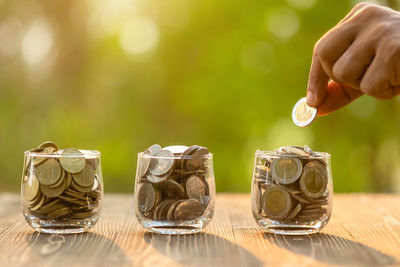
{"points": [[139, 35], [37, 41], [109, 16], [283, 23]]}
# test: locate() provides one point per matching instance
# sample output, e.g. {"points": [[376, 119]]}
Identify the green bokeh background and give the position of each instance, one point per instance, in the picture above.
{"points": [[223, 74]]}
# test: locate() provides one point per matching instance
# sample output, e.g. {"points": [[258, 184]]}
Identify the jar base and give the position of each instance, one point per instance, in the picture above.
{"points": [[61, 226], [174, 228], [272, 227]]}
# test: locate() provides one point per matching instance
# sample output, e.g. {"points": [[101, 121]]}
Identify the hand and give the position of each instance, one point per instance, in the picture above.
{"points": [[361, 55]]}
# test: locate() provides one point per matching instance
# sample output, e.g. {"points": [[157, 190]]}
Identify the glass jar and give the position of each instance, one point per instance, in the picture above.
{"points": [[62, 190], [174, 189], [292, 190]]}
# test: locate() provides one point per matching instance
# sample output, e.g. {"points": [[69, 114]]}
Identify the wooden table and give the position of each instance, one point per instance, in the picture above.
{"points": [[364, 230]]}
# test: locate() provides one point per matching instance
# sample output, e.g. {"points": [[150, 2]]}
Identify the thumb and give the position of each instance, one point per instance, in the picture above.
{"points": [[337, 96]]}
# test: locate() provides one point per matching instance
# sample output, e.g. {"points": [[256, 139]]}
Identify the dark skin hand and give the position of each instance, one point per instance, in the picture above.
{"points": [[360, 55]]}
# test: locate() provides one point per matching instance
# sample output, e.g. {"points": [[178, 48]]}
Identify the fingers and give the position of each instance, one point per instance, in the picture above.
{"points": [[354, 10], [376, 81], [352, 65], [332, 46], [337, 96], [317, 83], [326, 52]]}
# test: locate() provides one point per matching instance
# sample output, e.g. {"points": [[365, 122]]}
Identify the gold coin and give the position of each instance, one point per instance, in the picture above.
{"points": [[72, 160], [60, 181], [39, 204], [86, 177], [49, 172], [276, 202], [68, 179], [48, 144], [314, 179], [82, 189], [303, 114], [286, 170], [59, 213], [48, 207], [31, 189], [39, 159], [294, 212], [52, 192]]}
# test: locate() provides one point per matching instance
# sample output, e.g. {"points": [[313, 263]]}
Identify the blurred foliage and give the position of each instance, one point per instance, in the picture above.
{"points": [[120, 75]]}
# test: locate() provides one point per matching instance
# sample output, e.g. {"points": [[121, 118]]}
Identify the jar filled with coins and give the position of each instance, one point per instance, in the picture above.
{"points": [[61, 189], [292, 190], [174, 189]]}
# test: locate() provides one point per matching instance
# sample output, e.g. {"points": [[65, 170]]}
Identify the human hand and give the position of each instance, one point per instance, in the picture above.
{"points": [[361, 55]]}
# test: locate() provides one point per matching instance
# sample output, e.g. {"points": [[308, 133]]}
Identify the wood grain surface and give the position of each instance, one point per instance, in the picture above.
{"points": [[364, 231]]}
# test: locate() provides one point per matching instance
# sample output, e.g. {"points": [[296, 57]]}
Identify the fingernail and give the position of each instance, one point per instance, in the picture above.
{"points": [[310, 98]]}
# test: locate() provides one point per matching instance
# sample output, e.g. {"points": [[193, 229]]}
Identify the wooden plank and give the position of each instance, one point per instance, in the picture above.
{"points": [[364, 230]]}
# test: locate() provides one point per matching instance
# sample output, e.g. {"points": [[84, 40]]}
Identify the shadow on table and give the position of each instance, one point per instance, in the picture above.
{"points": [[332, 249], [202, 250], [88, 249]]}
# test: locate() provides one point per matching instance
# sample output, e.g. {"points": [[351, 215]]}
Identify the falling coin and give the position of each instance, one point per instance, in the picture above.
{"points": [[303, 114]]}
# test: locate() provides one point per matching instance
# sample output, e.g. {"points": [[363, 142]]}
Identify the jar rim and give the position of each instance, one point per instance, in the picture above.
{"points": [[273, 153], [58, 153], [178, 156]]}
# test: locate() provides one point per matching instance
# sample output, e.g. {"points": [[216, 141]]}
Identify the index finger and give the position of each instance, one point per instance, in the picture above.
{"points": [[317, 83], [337, 96]]}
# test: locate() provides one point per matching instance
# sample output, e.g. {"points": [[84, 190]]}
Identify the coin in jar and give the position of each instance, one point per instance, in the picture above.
{"points": [[49, 172], [31, 189], [276, 202], [172, 189], [196, 189], [48, 144], [286, 170], [162, 163], [314, 179], [85, 177], [72, 160], [197, 159], [189, 209], [144, 163], [146, 198]]}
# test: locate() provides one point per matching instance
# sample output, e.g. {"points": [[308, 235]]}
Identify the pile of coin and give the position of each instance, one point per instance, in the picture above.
{"points": [[172, 182], [61, 184], [291, 186]]}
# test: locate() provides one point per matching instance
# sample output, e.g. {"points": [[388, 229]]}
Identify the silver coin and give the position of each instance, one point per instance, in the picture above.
{"points": [[144, 163], [154, 149], [302, 114], [162, 163]]}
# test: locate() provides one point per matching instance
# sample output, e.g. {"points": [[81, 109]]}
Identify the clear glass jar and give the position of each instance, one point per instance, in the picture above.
{"points": [[292, 190], [62, 190], [174, 189]]}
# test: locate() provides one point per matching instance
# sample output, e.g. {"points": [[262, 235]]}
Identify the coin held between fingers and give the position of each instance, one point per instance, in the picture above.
{"points": [[302, 114]]}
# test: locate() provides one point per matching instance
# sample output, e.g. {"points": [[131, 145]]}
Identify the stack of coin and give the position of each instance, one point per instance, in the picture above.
{"points": [[61, 184], [172, 183], [291, 186]]}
